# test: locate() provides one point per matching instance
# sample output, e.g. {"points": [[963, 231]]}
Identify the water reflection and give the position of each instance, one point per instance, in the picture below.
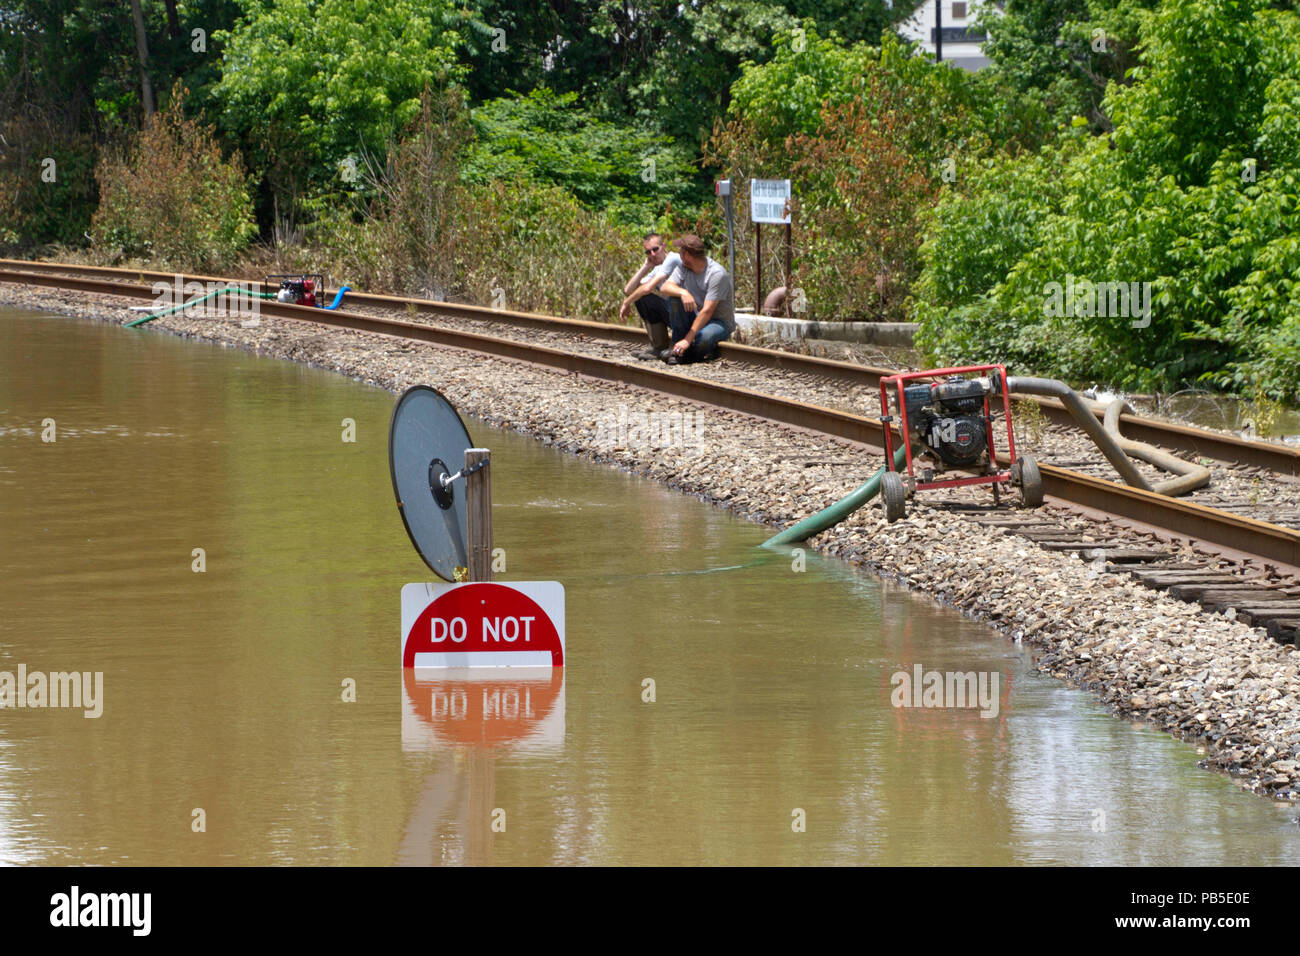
{"points": [[466, 719]]}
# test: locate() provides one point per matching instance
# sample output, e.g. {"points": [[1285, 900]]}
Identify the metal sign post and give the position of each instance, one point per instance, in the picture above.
{"points": [[723, 188], [789, 247], [478, 502], [938, 31]]}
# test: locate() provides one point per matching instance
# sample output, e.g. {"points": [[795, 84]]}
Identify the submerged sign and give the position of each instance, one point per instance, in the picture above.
{"points": [[483, 624]]}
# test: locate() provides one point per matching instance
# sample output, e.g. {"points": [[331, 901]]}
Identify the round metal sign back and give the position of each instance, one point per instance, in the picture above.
{"points": [[426, 441]]}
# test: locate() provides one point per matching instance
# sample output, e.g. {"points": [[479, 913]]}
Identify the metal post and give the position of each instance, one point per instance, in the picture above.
{"points": [[758, 268], [938, 31], [789, 243], [478, 510], [731, 237]]}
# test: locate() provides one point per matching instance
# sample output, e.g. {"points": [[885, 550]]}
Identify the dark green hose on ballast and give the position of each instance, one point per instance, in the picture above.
{"points": [[185, 305], [814, 524]]}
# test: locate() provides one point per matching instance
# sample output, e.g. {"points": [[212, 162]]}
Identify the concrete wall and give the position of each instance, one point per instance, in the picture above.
{"points": [[872, 333]]}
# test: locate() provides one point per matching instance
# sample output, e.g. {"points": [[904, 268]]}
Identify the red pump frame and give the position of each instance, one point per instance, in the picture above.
{"points": [[898, 381]]}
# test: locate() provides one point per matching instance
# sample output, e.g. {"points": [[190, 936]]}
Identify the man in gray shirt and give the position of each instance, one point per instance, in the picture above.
{"points": [[708, 313]]}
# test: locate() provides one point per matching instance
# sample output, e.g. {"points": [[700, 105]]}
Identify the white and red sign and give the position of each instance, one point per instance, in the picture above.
{"points": [[483, 624]]}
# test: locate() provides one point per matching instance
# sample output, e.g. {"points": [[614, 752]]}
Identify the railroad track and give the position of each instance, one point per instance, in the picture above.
{"points": [[1178, 438], [1266, 555]]}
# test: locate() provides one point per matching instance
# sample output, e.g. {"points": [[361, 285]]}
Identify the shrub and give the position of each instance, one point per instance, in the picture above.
{"points": [[171, 197], [1195, 192], [34, 211]]}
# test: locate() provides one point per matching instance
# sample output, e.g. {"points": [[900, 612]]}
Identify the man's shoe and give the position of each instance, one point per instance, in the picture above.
{"points": [[670, 358], [646, 354]]}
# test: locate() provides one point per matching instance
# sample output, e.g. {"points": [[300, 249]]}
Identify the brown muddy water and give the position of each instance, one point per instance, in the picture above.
{"points": [[223, 690]]}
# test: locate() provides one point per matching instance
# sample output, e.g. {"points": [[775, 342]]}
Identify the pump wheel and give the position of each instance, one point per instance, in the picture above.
{"points": [[894, 495], [1031, 483]]}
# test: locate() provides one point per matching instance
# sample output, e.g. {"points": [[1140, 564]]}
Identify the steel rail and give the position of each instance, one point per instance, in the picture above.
{"points": [[1210, 525]]}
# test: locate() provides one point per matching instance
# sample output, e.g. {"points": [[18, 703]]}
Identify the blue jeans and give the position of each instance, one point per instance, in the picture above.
{"points": [[706, 339]]}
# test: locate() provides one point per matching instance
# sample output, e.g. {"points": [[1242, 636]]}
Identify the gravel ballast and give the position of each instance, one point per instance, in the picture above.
{"points": [[1198, 675]]}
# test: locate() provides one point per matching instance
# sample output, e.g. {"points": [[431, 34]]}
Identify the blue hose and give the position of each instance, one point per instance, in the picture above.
{"points": [[338, 297]]}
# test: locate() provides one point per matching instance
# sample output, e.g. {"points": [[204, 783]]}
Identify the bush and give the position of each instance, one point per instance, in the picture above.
{"points": [[172, 198], [549, 139], [518, 244], [1194, 193], [537, 249], [33, 211]]}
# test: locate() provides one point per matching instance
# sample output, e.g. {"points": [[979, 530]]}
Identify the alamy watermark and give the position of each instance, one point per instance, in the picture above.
{"points": [[642, 431], [132, 911], [946, 689], [218, 299], [81, 690], [1085, 298]]}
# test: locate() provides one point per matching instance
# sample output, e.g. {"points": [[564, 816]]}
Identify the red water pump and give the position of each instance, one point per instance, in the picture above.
{"points": [[298, 289], [945, 423]]}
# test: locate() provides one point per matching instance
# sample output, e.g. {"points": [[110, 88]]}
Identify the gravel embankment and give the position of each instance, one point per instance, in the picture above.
{"points": [[1198, 675]]}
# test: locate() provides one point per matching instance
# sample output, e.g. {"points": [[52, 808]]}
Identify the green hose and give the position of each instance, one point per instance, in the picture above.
{"points": [[185, 305], [837, 512]]}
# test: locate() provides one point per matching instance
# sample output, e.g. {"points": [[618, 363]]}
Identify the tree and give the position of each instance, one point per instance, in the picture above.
{"points": [[549, 139], [665, 63], [1066, 51], [306, 83], [142, 51], [1193, 194]]}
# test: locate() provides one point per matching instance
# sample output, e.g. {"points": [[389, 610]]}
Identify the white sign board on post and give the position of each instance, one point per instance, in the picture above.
{"points": [[769, 201]]}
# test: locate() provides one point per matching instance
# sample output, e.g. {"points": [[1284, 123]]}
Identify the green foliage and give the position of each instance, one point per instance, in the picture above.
{"points": [[867, 135], [990, 218], [666, 64], [547, 139], [427, 232], [1195, 192], [1203, 79], [785, 95], [34, 212], [1065, 53], [544, 251], [173, 198], [305, 83]]}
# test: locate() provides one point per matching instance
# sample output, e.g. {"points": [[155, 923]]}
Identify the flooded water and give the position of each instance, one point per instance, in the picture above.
{"points": [[225, 736]]}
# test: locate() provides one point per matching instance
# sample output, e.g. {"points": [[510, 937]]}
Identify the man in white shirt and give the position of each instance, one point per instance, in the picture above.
{"points": [[642, 291]]}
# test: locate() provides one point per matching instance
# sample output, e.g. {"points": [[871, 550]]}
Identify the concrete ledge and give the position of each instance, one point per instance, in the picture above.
{"points": [[872, 333]]}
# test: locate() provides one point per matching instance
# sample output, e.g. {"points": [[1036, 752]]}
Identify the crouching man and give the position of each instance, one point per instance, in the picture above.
{"points": [[708, 314], [643, 291]]}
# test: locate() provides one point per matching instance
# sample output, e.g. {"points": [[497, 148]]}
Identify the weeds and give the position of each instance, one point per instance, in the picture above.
{"points": [[172, 197]]}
